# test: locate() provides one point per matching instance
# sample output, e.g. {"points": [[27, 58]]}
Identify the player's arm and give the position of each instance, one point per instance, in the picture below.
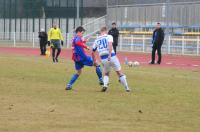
{"points": [[94, 49], [82, 44], [110, 41]]}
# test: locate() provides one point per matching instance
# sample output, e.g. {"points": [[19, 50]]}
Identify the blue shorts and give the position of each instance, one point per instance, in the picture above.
{"points": [[56, 44], [80, 64]]}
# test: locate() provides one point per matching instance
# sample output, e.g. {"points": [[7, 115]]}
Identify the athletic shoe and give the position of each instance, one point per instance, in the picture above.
{"points": [[101, 82], [104, 89], [56, 59], [128, 90], [151, 63], [69, 87]]}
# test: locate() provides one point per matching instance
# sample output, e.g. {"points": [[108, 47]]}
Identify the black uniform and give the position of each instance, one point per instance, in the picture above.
{"points": [[115, 33], [43, 42], [158, 38]]}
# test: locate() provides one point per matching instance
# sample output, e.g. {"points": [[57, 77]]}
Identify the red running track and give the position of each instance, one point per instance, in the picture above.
{"points": [[173, 61]]}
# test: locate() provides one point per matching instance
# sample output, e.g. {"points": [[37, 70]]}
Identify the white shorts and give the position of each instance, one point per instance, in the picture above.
{"points": [[114, 63]]}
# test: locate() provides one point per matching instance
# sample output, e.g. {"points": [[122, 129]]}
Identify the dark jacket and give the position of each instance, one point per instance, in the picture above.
{"points": [[158, 37], [115, 33], [43, 37]]}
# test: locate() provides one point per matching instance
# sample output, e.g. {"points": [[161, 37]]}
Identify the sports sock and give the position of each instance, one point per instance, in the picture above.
{"points": [[124, 82], [105, 81], [73, 79], [99, 72]]}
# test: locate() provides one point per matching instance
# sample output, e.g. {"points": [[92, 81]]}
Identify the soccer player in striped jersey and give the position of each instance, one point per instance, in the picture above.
{"points": [[81, 59]]}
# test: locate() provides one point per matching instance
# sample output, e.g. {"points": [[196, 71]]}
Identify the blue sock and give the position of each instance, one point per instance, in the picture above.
{"points": [[99, 72], [73, 79]]}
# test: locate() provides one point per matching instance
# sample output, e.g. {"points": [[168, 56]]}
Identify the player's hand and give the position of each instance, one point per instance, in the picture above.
{"points": [[88, 48], [61, 42], [48, 42], [87, 39], [109, 58]]}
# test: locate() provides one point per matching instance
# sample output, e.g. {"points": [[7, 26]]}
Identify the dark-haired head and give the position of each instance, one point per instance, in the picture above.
{"points": [[79, 29]]}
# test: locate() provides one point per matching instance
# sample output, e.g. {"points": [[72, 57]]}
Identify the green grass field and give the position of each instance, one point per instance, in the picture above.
{"points": [[33, 99]]}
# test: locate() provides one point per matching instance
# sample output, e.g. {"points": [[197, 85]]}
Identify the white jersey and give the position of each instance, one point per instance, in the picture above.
{"points": [[101, 44]]}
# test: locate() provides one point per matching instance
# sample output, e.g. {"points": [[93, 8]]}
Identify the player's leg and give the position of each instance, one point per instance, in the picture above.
{"points": [[106, 66], [159, 55], [40, 47], [90, 62], [123, 81], [44, 48], [153, 55], [105, 82], [99, 72], [74, 77], [58, 53], [117, 67], [58, 47], [53, 53]]}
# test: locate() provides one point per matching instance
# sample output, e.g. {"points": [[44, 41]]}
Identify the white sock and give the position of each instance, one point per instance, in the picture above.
{"points": [[124, 82], [105, 81]]}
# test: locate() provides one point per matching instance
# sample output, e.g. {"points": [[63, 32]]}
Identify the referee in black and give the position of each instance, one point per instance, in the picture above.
{"points": [[158, 38]]}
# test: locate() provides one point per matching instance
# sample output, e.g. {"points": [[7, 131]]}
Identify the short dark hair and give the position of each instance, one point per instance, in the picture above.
{"points": [[113, 23], [158, 23], [79, 29], [103, 29]]}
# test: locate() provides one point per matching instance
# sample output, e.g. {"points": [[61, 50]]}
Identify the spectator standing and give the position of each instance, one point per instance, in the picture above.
{"points": [[43, 41], [157, 41], [115, 33]]}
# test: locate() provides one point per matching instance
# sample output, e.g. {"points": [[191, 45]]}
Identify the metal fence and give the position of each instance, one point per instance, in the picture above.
{"points": [[180, 45], [169, 13], [31, 39], [27, 25]]}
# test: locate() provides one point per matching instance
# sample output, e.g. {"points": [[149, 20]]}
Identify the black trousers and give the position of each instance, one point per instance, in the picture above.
{"points": [[115, 48], [158, 49], [42, 48]]}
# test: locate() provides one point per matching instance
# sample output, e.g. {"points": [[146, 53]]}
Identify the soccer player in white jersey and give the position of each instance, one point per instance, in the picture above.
{"points": [[103, 44]]}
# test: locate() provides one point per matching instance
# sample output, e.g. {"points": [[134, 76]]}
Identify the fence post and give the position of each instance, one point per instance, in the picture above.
{"points": [[183, 44], [33, 39], [169, 44], [67, 40], [143, 43], [131, 42], [14, 37], [197, 45], [120, 43]]}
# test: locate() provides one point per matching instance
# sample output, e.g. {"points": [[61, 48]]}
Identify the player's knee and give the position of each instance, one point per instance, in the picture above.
{"points": [[96, 63], [107, 74], [119, 73], [79, 72]]}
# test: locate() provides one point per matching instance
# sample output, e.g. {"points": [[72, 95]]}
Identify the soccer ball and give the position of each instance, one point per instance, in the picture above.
{"points": [[130, 63], [136, 63]]}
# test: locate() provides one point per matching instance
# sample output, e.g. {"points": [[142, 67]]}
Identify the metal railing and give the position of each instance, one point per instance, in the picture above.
{"points": [[180, 45]]}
